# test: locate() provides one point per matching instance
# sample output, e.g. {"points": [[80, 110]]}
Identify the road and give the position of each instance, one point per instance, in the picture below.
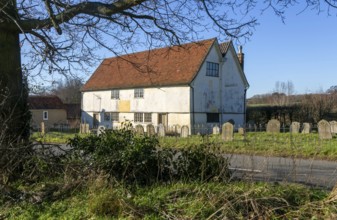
{"points": [[318, 173], [311, 172]]}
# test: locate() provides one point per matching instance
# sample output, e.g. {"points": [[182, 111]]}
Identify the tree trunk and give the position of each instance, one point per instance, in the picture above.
{"points": [[14, 114]]}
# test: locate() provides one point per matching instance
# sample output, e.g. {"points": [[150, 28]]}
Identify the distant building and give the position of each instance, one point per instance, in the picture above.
{"points": [[195, 83], [54, 114]]}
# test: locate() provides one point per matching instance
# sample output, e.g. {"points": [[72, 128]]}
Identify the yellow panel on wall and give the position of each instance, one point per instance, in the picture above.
{"points": [[124, 106]]}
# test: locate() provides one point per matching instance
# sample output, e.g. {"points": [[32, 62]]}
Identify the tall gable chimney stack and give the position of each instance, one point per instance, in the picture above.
{"points": [[241, 57]]}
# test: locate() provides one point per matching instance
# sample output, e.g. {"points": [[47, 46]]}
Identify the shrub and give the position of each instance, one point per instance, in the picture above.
{"points": [[139, 159]]}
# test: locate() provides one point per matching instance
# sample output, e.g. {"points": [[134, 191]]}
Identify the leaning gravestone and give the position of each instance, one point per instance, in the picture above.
{"points": [[161, 130], [184, 131], [306, 128], [295, 127], [150, 130], [333, 125], [227, 131], [273, 126], [324, 130], [139, 129], [216, 129]]}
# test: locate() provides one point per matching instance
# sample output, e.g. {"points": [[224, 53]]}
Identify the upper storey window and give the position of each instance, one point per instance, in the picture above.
{"points": [[139, 93], [115, 94], [212, 69]]}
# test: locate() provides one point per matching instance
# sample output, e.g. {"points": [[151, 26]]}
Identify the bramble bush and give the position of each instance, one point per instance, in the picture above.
{"points": [[133, 158]]}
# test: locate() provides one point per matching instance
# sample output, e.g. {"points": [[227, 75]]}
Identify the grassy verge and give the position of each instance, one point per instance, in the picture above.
{"points": [[194, 200], [261, 143]]}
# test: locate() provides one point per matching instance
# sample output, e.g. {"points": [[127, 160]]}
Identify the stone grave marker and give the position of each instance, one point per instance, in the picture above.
{"points": [[324, 129], [241, 131], [161, 130], [273, 126], [42, 128], [100, 130], [295, 127], [216, 129], [306, 128], [150, 130], [139, 129], [178, 129], [184, 131], [333, 125], [227, 131]]}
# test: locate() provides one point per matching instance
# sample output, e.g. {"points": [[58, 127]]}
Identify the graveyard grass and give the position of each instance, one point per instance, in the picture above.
{"points": [[264, 144], [253, 143]]}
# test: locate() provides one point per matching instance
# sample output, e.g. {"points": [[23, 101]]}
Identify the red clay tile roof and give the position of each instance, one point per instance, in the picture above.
{"points": [[176, 65], [45, 102]]}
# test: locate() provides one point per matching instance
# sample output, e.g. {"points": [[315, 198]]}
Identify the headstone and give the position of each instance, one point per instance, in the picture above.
{"points": [[150, 130], [42, 128], [324, 129], [139, 129], [178, 128], [100, 130], [273, 126], [333, 125], [306, 128], [216, 129], [295, 127], [161, 130], [184, 131], [227, 131], [241, 131]]}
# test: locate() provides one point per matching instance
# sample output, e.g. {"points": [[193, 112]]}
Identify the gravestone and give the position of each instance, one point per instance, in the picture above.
{"points": [[161, 130], [139, 129], [150, 130], [178, 128], [241, 131], [333, 125], [295, 127], [216, 129], [227, 131], [42, 128], [273, 126], [100, 130], [184, 131], [306, 128], [324, 129]]}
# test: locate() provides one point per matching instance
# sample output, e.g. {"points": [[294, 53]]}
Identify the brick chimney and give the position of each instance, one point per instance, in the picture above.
{"points": [[241, 57]]}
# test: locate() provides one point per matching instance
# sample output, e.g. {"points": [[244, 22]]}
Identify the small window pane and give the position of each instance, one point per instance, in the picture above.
{"points": [[139, 93], [138, 117], [212, 69], [114, 116], [115, 94], [147, 117], [213, 118], [45, 115]]}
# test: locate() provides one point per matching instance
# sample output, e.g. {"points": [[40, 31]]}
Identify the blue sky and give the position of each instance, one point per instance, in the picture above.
{"points": [[303, 50]]}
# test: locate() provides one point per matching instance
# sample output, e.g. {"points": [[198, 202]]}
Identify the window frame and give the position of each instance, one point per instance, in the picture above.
{"points": [[45, 115], [139, 93], [212, 69], [147, 117], [138, 117], [114, 115], [115, 94]]}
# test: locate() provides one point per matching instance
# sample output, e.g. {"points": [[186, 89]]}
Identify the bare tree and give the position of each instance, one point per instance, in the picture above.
{"points": [[57, 36], [69, 91]]}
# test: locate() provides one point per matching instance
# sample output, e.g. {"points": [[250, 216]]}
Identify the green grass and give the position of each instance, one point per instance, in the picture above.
{"points": [[262, 143], [237, 200], [53, 137]]}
